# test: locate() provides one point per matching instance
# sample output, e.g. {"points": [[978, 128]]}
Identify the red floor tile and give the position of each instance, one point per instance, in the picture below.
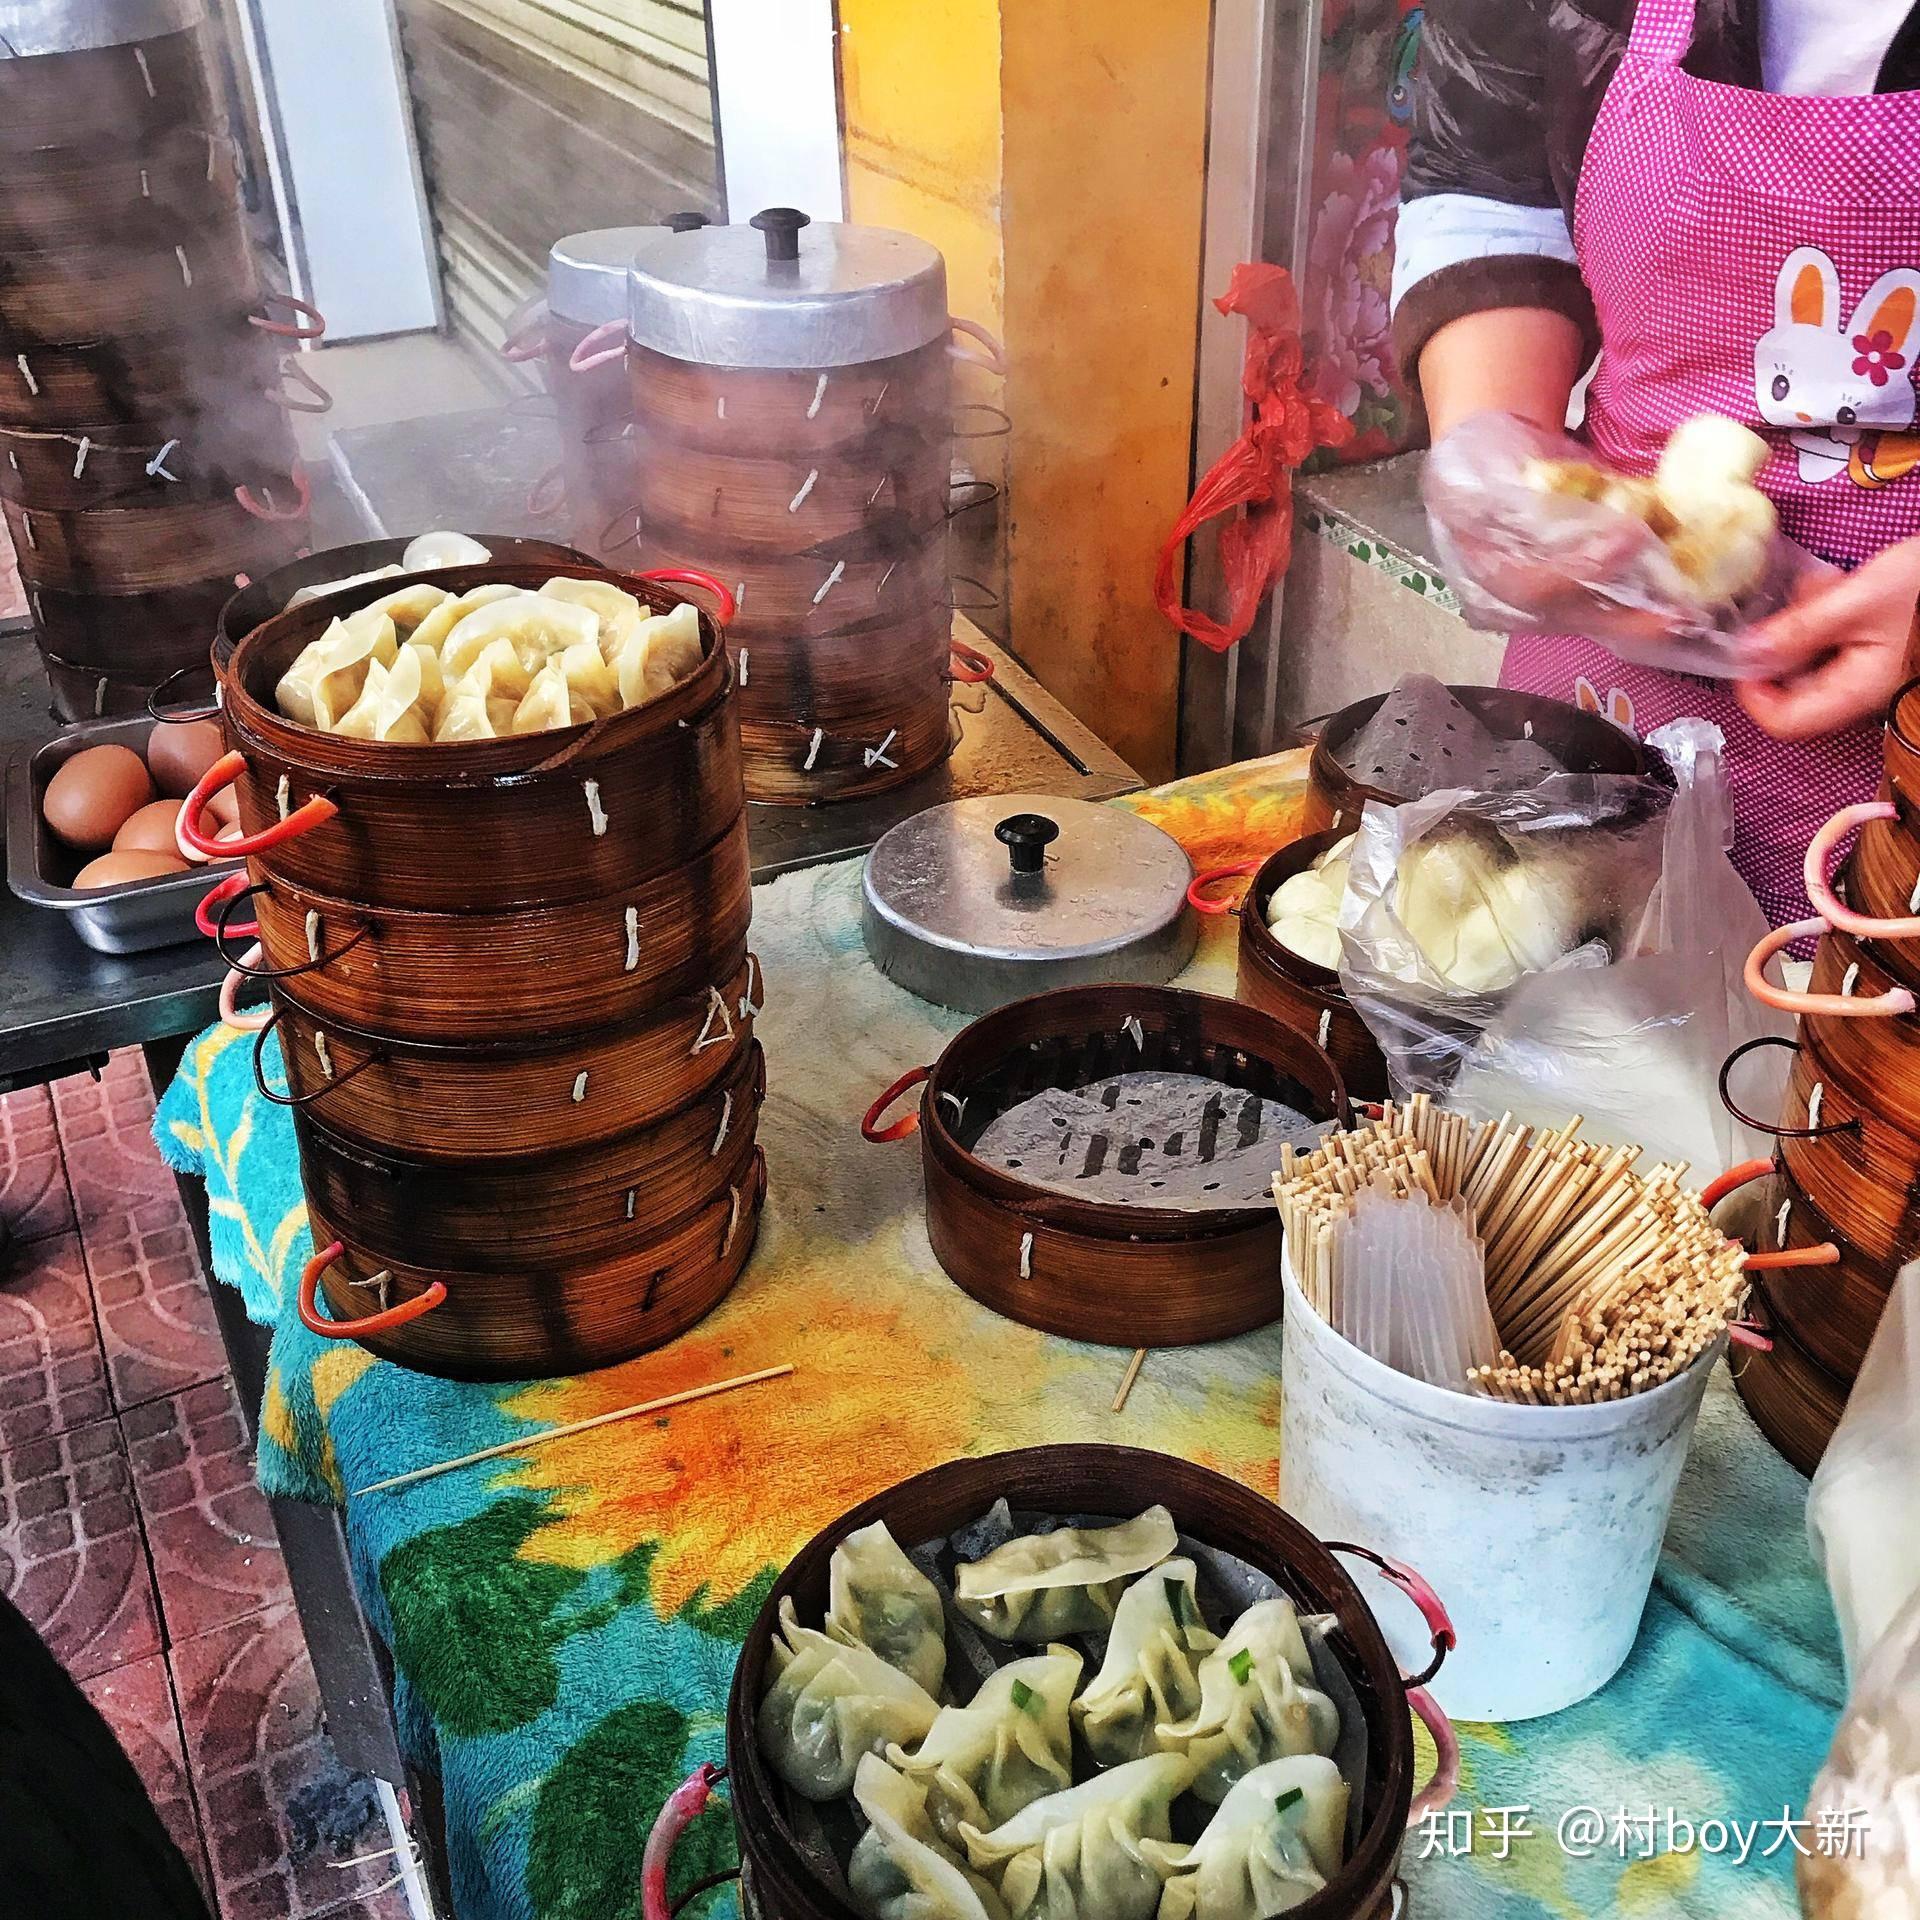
{"points": [[33, 1183], [277, 1807], [156, 1313], [210, 1535], [52, 1373], [137, 1703], [71, 1557], [112, 1163]]}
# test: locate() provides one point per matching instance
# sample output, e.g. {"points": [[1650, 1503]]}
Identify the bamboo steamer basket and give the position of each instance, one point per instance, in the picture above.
{"points": [[141, 465], [543, 819], [785, 1878], [1831, 1311], [1882, 881], [1876, 1058], [466, 976], [1794, 1401], [537, 1321], [1296, 991], [787, 758], [1117, 1275], [180, 384], [109, 551], [1583, 742], [79, 197], [68, 90], [552, 1210], [84, 294], [516, 1098]]}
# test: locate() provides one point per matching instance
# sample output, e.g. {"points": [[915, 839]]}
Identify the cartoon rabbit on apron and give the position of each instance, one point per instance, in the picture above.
{"points": [[1756, 255]]}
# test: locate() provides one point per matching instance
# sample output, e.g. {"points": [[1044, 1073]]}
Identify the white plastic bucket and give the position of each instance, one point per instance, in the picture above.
{"points": [[1539, 1526]]}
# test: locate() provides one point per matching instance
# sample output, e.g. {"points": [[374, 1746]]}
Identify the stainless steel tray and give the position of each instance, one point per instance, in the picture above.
{"points": [[130, 919]]}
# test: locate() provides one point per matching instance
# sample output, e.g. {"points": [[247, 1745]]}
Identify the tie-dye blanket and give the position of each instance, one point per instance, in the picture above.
{"points": [[564, 1621]]}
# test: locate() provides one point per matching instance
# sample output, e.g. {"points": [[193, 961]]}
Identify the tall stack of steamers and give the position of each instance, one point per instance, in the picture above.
{"points": [[514, 999], [145, 454]]}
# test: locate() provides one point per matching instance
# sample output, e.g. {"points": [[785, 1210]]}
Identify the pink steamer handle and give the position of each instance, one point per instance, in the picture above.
{"points": [[1840, 1006], [995, 360], [230, 1013], [1820, 883], [593, 351], [1200, 895], [684, 1805], [727, 607]]}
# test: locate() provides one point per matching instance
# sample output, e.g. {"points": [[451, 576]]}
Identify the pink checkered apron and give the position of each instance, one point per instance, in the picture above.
{"points": [[1756, 255]]}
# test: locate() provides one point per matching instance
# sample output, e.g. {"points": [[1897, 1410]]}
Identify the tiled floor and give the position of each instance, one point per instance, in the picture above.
{"points": [[132, 1533]]}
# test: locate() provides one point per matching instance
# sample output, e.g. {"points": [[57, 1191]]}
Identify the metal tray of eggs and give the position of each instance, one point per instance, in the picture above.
{"points": [[146, 896]]}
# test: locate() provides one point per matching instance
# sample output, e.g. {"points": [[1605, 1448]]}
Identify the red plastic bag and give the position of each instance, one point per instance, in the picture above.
{"points": [[1285, 424]]}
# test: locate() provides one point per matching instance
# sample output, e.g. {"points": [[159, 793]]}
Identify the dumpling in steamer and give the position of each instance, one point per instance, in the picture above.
{"points": [[1257, 1702], [321, 588], [1278, 1838], [433, 630], [620, 613], [407, 608], [327, 674], [467, 714], [1010, 1745], [878, 1598], [590, 680], [1082, 1853], [549, 702], [1048, 1586], [829, 1704], [1152, 1669], [389, 705], [899, 1869], [535, 624], [661, 652], [426, 551], [499, 673]]}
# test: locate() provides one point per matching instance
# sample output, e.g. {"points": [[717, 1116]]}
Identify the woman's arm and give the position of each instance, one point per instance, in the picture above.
{"points": [[1521, 360]]}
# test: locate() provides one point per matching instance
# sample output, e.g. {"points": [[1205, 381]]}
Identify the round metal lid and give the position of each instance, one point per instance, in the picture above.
{"points": [[784, 291], [73, 26], [982, 901], [587, 272]]}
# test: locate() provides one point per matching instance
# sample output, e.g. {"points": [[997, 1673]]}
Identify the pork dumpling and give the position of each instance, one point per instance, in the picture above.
{"points": [[535, 624], [877, 1597], [829, 1704], [1048, 1586], [467, 714], [1010, 1745], [899, 1869], [659, 654], [1082, 1852], [389, 704], [620, 613], [590, 680], [433, 684], [1152, 1669], [427, 550], [1257, 1702], [321, 588], [410, 605], [498, 672], [327, 674], [1277, 1839], [433, 630], [549, 702]]}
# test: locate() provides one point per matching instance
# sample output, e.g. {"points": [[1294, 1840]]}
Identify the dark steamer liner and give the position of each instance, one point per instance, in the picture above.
{"points": [[781, 1878], [540, 1322], [1118, 1275]]}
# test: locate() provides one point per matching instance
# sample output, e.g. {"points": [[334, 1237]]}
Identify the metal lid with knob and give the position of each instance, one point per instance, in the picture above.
{"points": [[587, 272], [35, 27], [785, 291], [982, 901]]}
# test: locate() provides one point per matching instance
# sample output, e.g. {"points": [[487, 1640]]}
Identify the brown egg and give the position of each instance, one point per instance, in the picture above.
{"points": [[150, 830], [180, 752], [120, 869], [92, 795]]}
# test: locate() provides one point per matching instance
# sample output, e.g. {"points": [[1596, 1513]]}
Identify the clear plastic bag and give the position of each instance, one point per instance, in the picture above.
{"points": [[1525, 560], [1629, 1023], [1864, 1520]]}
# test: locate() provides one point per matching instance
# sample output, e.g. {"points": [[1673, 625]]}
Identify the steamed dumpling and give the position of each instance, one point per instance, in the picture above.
{"points": [[620, 613], [433, 630], [659, 654], [1047, 1586], [1081, 1853], [467, 714], [590, 680], [829, 1704], [1152, 1669], [1010, 1745], [877, 1597], [327, 674], [428, 550], [410, 605], [549, 702], [1277, 1839], [899, 1869], [534, 623], [499, 672], [1257, 1702], [433, 685], [321, 588], [389, 707]]}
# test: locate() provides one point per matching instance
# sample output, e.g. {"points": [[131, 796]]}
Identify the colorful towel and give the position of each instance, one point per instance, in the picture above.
{"points": [[564, 1623]]}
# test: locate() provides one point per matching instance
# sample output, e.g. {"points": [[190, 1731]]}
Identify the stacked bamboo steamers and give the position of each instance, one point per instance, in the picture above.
{"points": [[793, 429], [145, 456], [513, 994], [1846, 1186]]}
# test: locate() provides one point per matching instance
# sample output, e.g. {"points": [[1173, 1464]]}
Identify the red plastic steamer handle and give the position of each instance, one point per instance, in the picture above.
{"points": [[231, 888], [870, 1127], [223, 773], [695, 577], [683, 1806], [1825, 1254], [972, 666], [1201, 899], [383, 1322]]}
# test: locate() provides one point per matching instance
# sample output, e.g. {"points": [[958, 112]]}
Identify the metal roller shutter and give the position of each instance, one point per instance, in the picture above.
{"points": [[539, 118]]}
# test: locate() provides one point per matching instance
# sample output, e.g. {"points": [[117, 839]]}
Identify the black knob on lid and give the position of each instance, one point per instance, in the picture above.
{"points": [[1026, 837], [688, 222], [782, 227]]}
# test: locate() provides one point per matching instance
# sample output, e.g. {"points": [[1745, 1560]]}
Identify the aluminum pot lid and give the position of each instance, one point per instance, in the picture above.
{"points": [[75, 26], [1029, 878], [786, 291], [587, 272]]}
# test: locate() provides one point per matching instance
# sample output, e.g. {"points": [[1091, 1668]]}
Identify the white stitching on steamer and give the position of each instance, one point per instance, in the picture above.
{"points": [[80, 459], [1814, 1099], [321, 1054], [26, 373], [283, 796], [633, 940], [1850, 979], [1026, 1256], [186, 272], [716, 1004], [743, 657], [157, 466], [1326, 1026], [579, 1087], [313, 935], [749, 1006], [146, 73], [877, 756], [1132, 1028], [806, 487], [819, 394], [726, 1120], [813, 750], [733, 1222], [832, 579], [596, 813], [1780, 1223]]}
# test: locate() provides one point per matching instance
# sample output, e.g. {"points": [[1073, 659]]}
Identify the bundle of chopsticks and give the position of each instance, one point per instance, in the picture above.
{"points": [[1602, 1280]]}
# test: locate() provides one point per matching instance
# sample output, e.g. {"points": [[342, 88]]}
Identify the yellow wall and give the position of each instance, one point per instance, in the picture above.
{"points": [[1055, 152]]}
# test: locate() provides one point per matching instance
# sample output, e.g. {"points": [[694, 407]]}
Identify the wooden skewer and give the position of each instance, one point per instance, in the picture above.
{"points": [[576, 1426], [1132, 1374]]}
